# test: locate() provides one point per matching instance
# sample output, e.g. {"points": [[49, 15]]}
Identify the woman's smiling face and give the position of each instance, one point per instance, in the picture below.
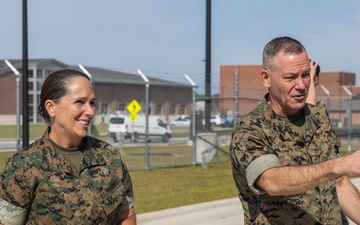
{"points": [[71, 116]]}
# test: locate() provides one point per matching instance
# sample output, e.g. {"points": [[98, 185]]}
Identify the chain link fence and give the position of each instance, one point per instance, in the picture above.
{"points": [[344, 112]]}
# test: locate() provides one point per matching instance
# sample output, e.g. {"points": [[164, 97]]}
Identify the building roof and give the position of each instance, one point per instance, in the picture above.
{"points": [[99, 75], [17, 63], [109, 76]]}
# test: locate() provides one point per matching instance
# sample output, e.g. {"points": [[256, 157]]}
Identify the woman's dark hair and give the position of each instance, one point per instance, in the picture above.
{"points": [[55, 87]]}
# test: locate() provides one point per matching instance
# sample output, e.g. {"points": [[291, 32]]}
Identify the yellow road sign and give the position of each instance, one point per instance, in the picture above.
{"points": [[133, 117], [134, 107]]}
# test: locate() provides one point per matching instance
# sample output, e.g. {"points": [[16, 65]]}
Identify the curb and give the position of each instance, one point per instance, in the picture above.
{"points": [[182, 210]]}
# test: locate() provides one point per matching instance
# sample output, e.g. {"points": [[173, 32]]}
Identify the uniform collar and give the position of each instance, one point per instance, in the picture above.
{"points": [[312, 121], [57, 162]]}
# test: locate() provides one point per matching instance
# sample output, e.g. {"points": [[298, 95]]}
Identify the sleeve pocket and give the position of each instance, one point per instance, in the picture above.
{"points": [[116, 202]]}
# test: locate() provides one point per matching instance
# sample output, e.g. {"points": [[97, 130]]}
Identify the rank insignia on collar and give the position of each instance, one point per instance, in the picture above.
{"points": [[104, 172]]}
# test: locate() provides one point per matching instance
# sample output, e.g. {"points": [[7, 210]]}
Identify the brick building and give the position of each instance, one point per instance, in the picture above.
{"points": [[251, 91], [114, 91]]}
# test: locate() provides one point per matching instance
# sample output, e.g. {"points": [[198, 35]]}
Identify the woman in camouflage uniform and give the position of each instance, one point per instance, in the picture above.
{"points": [[67, 177]]}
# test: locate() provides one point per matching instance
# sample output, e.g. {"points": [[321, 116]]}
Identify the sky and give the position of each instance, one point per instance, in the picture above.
{"points": [[166, 38]]}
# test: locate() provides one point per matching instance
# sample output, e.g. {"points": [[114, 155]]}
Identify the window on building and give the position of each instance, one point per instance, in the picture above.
{"points": [[173, 109], [182, 109], [37, 98], [38, 85], [30, 86], [47, 73], [31, 73], [30, 99], [104, 108], [39, 74], [158, 109], [122, 107], [31, 113]]}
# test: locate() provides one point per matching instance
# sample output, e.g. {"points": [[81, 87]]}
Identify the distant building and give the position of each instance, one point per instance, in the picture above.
{"points": [[251, 91], [114, 91]]}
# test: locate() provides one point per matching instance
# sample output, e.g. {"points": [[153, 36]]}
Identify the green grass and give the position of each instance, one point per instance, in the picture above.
{"points": [[159, 156], [9, 131], [159, 189]]}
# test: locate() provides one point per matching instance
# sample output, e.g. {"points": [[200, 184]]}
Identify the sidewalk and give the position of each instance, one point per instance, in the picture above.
{"points": [[227, 211]]}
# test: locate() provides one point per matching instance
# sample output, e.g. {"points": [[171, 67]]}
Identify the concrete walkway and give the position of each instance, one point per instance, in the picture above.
{"points": [[227, 211]]}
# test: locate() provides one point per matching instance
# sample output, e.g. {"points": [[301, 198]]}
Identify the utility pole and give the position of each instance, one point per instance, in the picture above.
{"points": [[208, 67], [25, 111]]}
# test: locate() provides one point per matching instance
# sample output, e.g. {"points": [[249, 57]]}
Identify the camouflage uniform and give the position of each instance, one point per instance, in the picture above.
{"points": [[43, 187], [261, 140]]}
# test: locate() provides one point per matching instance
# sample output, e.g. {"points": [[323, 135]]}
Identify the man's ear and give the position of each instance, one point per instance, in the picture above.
{"points": [[50, 107], [265, 78]]}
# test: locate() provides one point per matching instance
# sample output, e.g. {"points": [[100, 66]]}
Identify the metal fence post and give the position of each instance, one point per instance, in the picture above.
{"points": [[147, 86], [91, 81], [349, 116], [17, 74], [193, 118]]}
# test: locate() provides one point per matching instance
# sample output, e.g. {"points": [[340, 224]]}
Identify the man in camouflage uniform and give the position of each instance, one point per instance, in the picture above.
{"points": [[285, 153]]}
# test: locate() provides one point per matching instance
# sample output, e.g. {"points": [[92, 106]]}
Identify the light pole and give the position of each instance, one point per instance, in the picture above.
{"points": [[147, 85], [17, 74], [193, 118], [349, 117], [208, 67], [91, 81], [25, 79]]}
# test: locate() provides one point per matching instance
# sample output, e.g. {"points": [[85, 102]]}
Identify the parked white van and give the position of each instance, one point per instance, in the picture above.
{"points": [[135, 130], [157, 128], [118, 124]]}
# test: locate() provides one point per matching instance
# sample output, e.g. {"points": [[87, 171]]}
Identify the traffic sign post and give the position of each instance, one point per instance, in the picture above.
{"points": [[133, 117], [134, 107]]}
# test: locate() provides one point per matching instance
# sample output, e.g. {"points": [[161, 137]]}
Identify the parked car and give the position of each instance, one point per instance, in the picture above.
{"points": [[181, 121], [335, 122], [216, 120], [230, 122]]}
